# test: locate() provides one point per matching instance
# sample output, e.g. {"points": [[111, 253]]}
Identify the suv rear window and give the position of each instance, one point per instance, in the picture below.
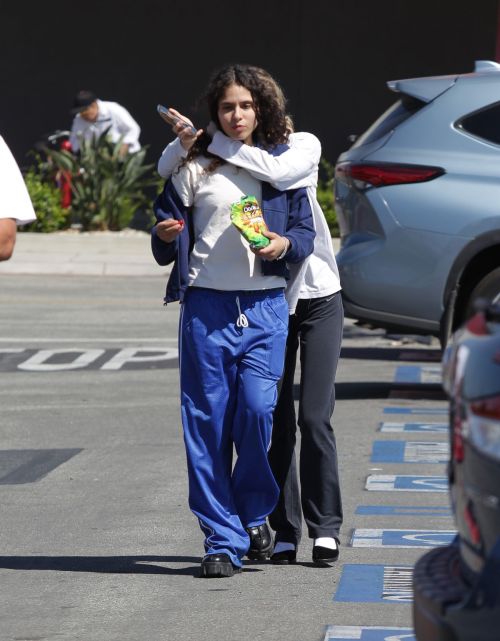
{"points": [[484, 124], [390, 119]]}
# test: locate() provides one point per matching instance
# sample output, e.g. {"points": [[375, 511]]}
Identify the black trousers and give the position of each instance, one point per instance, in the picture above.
{"points": [[317, 327]]}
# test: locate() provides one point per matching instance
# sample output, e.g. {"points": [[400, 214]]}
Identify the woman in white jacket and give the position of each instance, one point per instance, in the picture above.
{"points": [[316, 324]]}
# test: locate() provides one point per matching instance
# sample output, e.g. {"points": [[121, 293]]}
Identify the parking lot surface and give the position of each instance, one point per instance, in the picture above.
{"points": [[97, 540]]}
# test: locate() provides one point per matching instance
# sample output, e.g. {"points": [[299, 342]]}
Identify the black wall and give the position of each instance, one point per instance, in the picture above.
{"points": [[332, 57]]}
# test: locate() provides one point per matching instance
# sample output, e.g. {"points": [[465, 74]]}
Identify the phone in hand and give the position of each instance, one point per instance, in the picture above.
{"points": [[169, 117]]}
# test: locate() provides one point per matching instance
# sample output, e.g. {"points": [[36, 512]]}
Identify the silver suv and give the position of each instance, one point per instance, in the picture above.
{"points": [[418, 202]]}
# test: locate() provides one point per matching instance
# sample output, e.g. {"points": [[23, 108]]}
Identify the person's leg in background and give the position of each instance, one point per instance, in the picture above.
{"points": [[286, 518], [320, 342]]}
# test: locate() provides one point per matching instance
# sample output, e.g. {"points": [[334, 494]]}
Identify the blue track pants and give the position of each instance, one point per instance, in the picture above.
{"points": [[229, 372]]}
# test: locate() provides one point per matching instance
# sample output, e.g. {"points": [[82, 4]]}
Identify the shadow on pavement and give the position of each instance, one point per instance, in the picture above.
{"points": [[104, 564], [392, 354], [372, 389]]}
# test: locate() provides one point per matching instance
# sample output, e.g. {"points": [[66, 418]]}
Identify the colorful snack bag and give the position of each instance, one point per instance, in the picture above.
{"points": [[246, 216]]}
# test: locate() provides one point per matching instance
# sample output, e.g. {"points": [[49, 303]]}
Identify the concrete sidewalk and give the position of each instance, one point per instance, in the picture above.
{"points": [[123, 253]]}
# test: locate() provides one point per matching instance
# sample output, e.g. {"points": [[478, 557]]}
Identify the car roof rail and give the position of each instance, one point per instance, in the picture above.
{"points": [[486, 65]]}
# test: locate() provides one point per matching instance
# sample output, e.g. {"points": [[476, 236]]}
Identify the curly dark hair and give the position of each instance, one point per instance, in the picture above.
{"points": [[269, 104]]}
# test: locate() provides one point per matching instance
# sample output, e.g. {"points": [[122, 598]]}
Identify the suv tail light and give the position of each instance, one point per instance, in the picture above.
{"points": [[380, 174], [484, 426]]}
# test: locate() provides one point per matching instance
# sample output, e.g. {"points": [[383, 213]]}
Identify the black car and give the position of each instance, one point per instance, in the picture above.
{"points": [[457, 587]]}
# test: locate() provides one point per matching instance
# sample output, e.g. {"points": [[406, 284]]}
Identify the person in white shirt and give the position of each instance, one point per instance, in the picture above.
{"points": [[16, 208], [94, 117], [316, 323]]}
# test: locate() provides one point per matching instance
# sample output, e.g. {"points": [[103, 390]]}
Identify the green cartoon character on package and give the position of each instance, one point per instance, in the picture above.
{"points": [[246, 216]]}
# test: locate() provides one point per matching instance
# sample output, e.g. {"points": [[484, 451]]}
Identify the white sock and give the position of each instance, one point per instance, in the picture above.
{"points": [[283, 547], [326, 542]]}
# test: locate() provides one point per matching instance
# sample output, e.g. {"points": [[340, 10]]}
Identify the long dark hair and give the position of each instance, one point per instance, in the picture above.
{"points": [[269, 104]]}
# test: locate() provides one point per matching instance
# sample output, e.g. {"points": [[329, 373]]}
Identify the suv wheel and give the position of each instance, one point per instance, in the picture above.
{"points": [[488, 287]]}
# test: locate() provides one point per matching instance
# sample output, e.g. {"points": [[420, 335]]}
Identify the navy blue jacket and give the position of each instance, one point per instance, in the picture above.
{"points": [[286, 213]]}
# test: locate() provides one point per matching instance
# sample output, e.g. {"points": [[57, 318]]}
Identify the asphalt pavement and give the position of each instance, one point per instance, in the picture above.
{"points": [[98, 543]]}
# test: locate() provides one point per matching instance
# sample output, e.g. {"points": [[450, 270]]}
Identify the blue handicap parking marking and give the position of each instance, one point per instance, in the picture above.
{"points": [[410, 452], [392, 538], [375, 584], [417, 374], [438, 428], [388, 452], [416, 410], [368, 633], [404, 510], [407, 374], [406, 483]]}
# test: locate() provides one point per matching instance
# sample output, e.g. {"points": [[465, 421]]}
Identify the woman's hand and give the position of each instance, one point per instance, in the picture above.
{"points": [[184, 131], [278, 246], [168, 230]]}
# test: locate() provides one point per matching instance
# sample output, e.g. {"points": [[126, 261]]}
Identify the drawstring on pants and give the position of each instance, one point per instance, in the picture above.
{"points": [[242, 319]]}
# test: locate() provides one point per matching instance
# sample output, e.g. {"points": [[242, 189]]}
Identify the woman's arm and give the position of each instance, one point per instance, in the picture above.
{"points": [[177, 150], [173, 154], [300, 226], [295, 167], [171, 208]]}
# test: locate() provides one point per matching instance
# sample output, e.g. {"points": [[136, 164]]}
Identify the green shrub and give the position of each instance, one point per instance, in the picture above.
{"points": [[46, 199], [107, 188], [325, 195]]}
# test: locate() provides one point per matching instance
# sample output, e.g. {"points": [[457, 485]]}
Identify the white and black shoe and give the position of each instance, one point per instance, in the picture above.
{"points": [[325, 550]]}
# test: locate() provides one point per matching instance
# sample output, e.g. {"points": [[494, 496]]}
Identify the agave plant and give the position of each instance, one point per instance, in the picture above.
{"points": [[108, 187]]}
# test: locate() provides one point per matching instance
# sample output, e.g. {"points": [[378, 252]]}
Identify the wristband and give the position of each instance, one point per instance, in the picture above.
{"points": [[285, 250]]}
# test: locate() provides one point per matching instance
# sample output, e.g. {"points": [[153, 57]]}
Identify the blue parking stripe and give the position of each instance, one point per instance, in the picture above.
{"points": [[393, 538], [410, 452], [437, 428], [404, 510], [416, 410], [408, 374], [406, 483], [388, 451], [375, 584]]}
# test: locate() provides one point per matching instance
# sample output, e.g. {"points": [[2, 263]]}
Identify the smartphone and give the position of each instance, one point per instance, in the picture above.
{"points": [[169, 117]]}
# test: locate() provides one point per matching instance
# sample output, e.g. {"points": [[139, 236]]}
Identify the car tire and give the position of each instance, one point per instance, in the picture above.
{"points": [[436, 586], [487, 288]]}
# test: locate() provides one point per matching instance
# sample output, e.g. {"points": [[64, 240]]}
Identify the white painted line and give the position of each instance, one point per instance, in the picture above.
{"points": [[426, 452], [368, 633]]}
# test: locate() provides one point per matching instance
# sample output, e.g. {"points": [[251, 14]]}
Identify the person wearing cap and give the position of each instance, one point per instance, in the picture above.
{"points": [[94, 117], [16, 208]]}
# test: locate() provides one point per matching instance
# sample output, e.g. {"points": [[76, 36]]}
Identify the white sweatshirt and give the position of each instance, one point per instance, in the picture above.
{"points": [[297, 167]]}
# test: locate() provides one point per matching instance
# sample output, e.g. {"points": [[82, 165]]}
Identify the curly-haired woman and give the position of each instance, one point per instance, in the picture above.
{"points": [[234, 316]]}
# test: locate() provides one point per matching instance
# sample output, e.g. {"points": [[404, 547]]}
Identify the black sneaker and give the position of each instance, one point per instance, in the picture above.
{"points": [[216, 566], [261, 542]]}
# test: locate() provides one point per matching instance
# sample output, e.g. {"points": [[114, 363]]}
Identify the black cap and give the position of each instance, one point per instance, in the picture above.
{"points": [[83, 99]]}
